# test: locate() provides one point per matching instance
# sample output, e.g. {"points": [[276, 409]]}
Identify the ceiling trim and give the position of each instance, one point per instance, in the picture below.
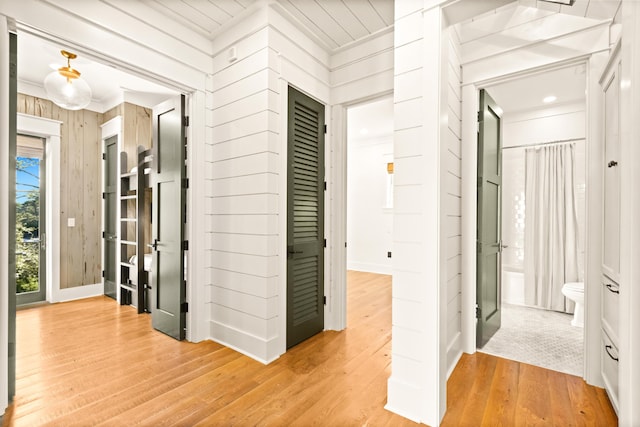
{"points": [[539, 42], [364, 39], [482, 84], [282, 11]]}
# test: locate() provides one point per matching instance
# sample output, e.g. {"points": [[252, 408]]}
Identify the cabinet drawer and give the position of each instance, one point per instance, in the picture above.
{"points": [[610, 369], [610, 308]]}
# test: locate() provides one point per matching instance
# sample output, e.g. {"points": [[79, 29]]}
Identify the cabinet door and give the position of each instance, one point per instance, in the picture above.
{"points": [[611, 226]]}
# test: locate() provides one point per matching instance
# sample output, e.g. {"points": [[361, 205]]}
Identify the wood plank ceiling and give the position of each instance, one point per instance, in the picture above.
{"points": [[335, 23]]}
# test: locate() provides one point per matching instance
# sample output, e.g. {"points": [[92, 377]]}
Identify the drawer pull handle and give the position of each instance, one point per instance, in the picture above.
{"points": [[606, 348], [610, 287]]}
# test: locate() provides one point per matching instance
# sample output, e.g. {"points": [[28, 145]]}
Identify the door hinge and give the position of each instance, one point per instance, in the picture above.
{"points": [[102, 273], [185, 121], [478, 312], [325, 243], [324, 300], [104, 156], [103, 235], [479, 116], [185, 182], [184, 307], [104, 196], [325, 129], [185, 245], [325, 186]]}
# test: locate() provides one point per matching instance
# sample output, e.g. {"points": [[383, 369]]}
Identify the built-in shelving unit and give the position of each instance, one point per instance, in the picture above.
{"points": [[133, 277]]}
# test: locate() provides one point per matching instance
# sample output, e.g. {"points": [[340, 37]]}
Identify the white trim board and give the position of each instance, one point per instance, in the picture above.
{"points": [[469, 208], [49, 130], [78, 292]]}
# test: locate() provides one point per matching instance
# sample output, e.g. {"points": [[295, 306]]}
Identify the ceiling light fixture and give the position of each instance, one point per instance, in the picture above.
{"points": [[549, 99], [65, 87]]}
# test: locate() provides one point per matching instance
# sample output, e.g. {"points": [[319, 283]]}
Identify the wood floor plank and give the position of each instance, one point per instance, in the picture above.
{"points": [[501, 404], [92, 362]]}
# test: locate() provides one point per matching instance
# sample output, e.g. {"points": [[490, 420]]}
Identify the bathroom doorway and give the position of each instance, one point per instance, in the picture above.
{"points": [[543, 219]]}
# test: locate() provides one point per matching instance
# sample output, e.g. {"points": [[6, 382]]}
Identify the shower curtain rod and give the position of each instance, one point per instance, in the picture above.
{"points": [[540, 144]]}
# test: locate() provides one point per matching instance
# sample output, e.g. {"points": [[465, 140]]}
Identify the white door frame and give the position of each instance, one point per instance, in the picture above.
{"points": [[49, 131], [594, 195], [195, 108], [336, 268]]}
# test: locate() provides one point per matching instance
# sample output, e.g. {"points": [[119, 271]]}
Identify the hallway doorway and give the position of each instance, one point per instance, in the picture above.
{"points": [[544, 119]]}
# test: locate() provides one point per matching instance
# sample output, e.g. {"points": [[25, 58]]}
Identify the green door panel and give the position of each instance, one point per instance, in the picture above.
{"points": [[305, 218], [109, 237], [488, 280], [13, 99], [168, 287]]}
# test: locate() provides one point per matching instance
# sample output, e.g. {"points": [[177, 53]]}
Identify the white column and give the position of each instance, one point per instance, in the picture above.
{"points": [[417, 386], [629, 372], [469, 214], [593, 265]]}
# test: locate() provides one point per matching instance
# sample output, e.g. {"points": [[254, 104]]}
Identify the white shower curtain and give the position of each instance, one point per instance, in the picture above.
{"points": [[551, 226]]}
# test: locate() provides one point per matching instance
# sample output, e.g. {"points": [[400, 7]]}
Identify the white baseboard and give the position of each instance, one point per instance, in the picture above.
{"points": [[369, 267], [77, 292], [259, 349]]}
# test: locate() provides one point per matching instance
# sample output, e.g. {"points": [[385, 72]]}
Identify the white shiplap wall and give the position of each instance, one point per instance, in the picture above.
{"points": [[244, 192], [416, 388], [453, 187], [363, 70], [247, 293]]}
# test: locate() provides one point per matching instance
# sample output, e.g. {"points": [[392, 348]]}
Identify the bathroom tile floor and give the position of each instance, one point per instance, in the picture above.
{"points": [[538, 337]]}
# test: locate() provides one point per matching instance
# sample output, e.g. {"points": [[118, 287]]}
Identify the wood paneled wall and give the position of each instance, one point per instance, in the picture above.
{"points": [[80, 189]]}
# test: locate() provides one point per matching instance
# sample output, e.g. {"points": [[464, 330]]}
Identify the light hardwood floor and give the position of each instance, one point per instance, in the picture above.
{"points": [[91, 362]]}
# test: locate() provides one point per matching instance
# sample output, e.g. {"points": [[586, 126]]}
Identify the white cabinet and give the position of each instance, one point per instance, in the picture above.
{"points": [[611, 196], [611, 165]]}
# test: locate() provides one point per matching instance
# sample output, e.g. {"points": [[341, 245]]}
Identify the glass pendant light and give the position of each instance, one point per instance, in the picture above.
{"points": [[65, 87]]}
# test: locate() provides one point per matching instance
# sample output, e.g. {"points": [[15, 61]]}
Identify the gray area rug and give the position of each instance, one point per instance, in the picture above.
{"points": [[538, 337]]}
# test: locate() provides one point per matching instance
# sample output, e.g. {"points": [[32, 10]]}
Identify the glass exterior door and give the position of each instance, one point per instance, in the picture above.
{"points": [[30, 220]]}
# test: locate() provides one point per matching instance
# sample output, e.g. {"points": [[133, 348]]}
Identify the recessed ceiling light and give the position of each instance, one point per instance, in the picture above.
{"points": [[549, 99]]}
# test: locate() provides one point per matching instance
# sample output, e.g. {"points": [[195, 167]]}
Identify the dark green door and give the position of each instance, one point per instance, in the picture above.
{"points": [[109, 236], [488, 221], [168, 287], [305, 218], [11, 298]]}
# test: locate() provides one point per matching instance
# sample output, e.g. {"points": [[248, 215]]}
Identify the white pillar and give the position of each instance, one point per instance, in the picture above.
{"points": [[417, 386], [629, 372]]}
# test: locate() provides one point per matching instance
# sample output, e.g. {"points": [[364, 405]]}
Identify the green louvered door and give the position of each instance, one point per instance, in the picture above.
{"points": [[305, 218]]}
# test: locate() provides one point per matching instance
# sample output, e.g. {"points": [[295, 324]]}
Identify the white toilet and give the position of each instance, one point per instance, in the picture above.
{"points": [[575, 292]]}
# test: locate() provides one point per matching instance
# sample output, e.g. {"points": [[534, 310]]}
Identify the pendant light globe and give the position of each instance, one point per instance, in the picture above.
{"points": [[65, 87]]}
